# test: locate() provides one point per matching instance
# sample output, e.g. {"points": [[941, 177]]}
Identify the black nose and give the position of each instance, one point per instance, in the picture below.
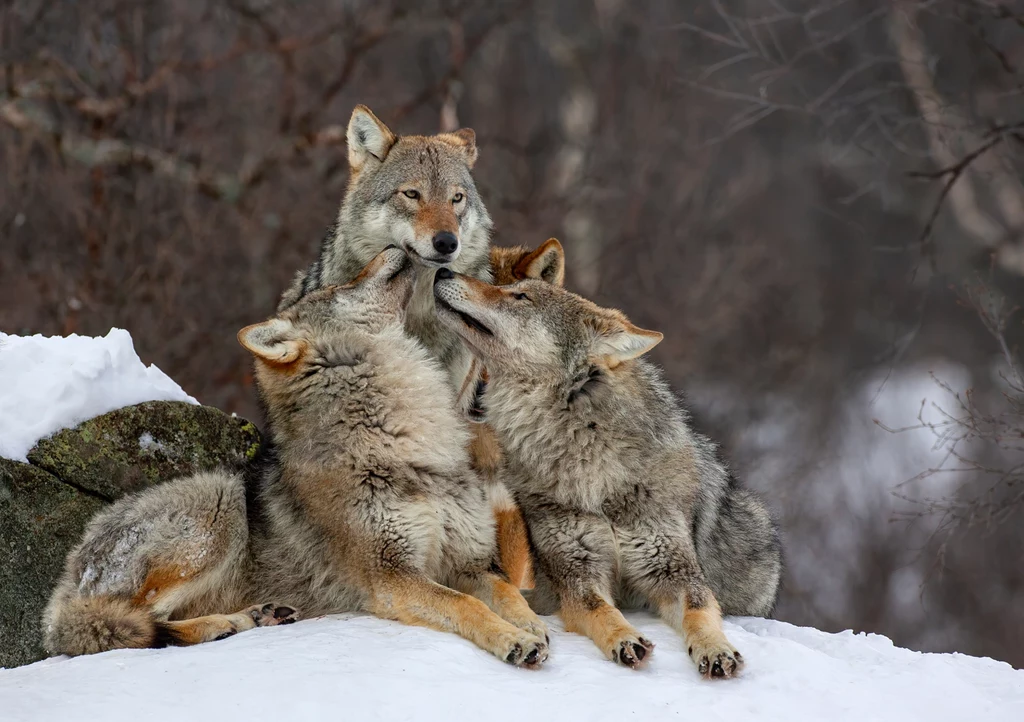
{"points": [[446, 243], [442, 274]]}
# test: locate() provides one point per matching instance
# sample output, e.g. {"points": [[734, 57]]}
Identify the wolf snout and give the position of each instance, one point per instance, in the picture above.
{"points": [[443, 274], [445, 243]]}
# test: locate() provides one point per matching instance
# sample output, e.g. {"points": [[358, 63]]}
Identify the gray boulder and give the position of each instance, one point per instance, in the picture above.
{"points": [[41, 518], [131, 448]]}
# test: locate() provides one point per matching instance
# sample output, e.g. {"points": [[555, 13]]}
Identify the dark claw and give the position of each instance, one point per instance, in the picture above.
{"points": [[225, 635], [532, 657], [514, 654]]}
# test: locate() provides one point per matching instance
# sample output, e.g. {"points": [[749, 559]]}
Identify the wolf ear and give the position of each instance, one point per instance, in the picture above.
{"points": [[273, 341], [619, 340], [368, 138], [546, 262], [465, 140]]}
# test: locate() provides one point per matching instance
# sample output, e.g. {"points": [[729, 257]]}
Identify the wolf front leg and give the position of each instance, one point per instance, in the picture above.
{"points": [[658, 560], [414, 599], [197, 630], [505, 600], [576, 553], [699, 619]]}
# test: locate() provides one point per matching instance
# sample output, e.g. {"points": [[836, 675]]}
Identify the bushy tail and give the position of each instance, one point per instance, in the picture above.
{"points": [[87, 625]]}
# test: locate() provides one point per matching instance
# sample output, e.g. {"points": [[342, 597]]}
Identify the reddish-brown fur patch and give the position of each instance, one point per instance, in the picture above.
{"points": [[514, 547], [432, 218], [158, 582]]}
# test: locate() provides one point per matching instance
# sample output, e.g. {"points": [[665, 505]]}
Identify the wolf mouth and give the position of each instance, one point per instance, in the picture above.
{"points": [[466, 318], [428, 262]]}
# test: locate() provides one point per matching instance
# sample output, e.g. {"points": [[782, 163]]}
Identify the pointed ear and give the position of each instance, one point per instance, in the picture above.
{"points": [[619, 340], [546, 262], [368, 139], [273, 341], [465, 140]]}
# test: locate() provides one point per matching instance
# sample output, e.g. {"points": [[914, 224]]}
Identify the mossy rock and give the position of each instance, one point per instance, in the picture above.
{"points": [[138, 446], [40, 520]]}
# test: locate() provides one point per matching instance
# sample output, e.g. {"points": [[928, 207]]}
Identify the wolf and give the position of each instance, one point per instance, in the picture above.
{"points": [[367, 502], [415, 192], [624, 502]]}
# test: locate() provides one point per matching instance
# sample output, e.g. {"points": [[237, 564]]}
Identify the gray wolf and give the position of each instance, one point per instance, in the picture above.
{"points": [[417, 192], [624, 502], [368, 502]]}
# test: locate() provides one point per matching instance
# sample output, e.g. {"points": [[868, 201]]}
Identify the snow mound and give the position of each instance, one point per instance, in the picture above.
{"points": [[49, 383], [356, 667]]}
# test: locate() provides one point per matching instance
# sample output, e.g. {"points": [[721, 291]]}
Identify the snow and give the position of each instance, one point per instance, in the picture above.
{"points": [[48, 383], [359, 667]]}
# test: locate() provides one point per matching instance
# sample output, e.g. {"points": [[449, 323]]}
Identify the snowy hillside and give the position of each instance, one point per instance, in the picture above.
{"points": [[51, 383], [362, 668]]}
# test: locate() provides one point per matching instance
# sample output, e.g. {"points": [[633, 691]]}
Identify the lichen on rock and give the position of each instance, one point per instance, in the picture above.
{"points": [[137, 446]]}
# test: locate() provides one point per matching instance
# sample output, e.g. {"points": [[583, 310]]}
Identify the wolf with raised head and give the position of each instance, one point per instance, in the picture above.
{"points": [[625, 503], [367, 502], [415, 192]]}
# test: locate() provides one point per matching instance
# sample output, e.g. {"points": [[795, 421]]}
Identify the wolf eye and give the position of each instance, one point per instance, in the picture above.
{"points": [[520, 297], [457, 198], [411, 194]]}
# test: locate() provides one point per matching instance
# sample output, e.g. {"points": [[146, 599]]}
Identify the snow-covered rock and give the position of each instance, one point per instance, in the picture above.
{"points": [[48, 383], [354, 667]]}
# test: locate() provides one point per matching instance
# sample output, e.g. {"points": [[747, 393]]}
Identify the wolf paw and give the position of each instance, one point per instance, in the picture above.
{"points": [[632, 652], [271, 615], [532, 624], [529, 652], [716, 663]]}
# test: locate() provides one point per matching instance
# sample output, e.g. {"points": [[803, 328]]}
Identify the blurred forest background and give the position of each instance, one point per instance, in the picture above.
{"points": [[819, 202]]}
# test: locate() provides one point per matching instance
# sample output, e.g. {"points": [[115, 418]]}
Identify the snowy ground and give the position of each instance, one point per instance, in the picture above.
{"points": [[48, 383], [358, 667]]}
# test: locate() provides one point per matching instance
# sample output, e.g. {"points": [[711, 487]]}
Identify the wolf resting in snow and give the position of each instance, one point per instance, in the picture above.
{"points": [[367, 503], [625, 503]]}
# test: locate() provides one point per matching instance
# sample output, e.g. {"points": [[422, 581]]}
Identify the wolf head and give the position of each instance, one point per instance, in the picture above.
{"points": [[537, 328], [416, 192], [324, 328]]}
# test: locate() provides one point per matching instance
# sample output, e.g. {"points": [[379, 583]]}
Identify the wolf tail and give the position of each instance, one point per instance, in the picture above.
{"points": [[86, 625]]}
